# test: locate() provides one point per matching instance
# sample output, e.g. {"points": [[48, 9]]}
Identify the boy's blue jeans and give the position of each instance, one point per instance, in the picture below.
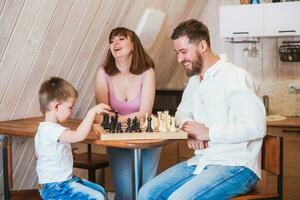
{"points": [[215, 182], [75, 189]]}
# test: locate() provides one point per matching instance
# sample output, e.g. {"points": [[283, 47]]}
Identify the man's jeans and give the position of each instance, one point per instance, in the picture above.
{"points": [[75, 189], [216, 182]]}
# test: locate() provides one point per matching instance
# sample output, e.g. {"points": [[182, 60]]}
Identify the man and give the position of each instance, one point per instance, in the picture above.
{"points": [[225, 122]]}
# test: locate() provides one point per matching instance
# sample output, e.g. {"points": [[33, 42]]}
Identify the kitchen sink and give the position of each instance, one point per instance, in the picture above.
{"points": [[271, 118]]}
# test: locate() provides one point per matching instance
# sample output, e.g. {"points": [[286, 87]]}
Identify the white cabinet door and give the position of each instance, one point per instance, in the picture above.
{"points": [[282, 19], [241, 21]]}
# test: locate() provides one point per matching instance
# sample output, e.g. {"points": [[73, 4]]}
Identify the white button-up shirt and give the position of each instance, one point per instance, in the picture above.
{"points": [[226, 103]]}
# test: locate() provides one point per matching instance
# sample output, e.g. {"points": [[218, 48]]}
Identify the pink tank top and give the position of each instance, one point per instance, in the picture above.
{"points": [[124, 107]]}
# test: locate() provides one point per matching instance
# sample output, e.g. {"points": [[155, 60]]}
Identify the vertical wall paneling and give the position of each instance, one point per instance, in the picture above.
{"points": [[40, 63]]}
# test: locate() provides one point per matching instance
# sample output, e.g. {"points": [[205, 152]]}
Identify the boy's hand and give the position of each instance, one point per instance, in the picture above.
{"points": [[101, 108]]}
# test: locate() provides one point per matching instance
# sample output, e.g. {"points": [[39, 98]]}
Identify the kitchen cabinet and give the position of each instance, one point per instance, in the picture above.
{"points": [[289, 129], [241, 21], [282, 19], [260, 20]]}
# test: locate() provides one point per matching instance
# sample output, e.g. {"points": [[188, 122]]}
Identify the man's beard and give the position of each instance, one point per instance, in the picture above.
{"points": [[196, 66]]}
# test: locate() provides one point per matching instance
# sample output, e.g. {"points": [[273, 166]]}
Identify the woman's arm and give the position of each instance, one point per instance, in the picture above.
{"points": [[101, 91], [147, 97], [101, 88]]}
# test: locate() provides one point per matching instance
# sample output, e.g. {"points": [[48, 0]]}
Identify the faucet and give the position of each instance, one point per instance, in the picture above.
{"points": [[266, 103]]}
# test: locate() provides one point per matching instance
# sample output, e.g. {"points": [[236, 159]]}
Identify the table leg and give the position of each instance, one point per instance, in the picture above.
{"points": [[136, 172], [7, 168]]}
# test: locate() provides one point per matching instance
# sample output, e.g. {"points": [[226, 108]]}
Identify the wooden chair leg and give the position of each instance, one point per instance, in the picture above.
{"points": [[91, 174], [102, 177]]}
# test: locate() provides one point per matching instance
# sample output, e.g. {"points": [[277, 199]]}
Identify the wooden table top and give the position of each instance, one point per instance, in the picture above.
{"points": [[28, 127]]}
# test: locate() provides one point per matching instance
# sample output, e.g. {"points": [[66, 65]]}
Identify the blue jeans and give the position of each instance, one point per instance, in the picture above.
{"points": [[215, 182], [120, 165], [75, 189]]}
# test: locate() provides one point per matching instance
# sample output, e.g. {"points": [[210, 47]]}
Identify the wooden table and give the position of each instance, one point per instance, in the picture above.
{"points": [[27, 128]]}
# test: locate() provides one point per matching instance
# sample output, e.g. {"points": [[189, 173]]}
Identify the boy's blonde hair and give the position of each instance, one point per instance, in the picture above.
{"points": [[55, 89]]}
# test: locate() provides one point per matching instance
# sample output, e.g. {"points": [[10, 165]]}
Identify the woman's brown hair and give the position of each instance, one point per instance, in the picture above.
{"points": [[141, 61]]}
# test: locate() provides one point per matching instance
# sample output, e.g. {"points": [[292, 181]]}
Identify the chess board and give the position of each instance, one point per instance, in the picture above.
{"points": [[179, 134]]}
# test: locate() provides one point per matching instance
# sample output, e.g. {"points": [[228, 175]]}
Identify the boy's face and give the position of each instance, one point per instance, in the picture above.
{"points": [[64, 109]]}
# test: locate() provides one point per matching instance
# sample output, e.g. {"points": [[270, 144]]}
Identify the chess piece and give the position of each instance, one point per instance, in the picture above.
{"points": [[142, 124], [164, 126], [149, 128], [105, 121], [138, 127], [128, 129], [117, 116], [119, 128], [154, 123], [112, 124], [134, 124], [173, 128]]}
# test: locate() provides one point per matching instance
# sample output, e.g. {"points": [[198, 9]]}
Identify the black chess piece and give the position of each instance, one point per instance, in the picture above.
{"points": [[149, 128], [117, 117], [105, 122], [134, 124], [138, 127], [112, 124], [128, 129], [119, 128]]}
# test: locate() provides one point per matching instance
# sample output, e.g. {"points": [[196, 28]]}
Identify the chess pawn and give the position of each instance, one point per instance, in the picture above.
{"points": [[119, 128], [128, 129], [160, 127], [159, 113], [153, 122], [142, 124], [173, 128], [149, 128], [138, 127], [164, 126]]}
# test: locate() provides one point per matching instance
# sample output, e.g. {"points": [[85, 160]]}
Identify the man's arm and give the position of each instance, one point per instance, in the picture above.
{"points": [[249, 124], [184, 110]]}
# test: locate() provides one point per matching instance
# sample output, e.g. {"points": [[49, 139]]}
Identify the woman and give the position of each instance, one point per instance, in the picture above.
{"points": [[127, 83]]}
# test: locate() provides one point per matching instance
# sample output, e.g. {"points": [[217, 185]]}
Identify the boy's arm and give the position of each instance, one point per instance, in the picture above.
{"points": [[71, 136]]}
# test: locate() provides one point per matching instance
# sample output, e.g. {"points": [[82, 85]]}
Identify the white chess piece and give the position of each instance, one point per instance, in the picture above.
{"points": [[173, 128], [142, 124]]}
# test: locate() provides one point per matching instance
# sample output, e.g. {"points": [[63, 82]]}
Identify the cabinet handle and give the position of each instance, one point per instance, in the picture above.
{"points": [[240, 33], [287, 31], [291, 131]]}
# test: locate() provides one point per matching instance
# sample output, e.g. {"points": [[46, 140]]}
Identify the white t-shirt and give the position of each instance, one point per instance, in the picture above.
{"points": [[55, 159]]}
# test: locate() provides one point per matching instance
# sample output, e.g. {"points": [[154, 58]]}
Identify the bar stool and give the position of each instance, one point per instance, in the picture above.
{"points": [[91, 162]]}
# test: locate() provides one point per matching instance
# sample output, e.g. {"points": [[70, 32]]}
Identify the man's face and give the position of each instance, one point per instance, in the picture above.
{"points": [[188, 55]]}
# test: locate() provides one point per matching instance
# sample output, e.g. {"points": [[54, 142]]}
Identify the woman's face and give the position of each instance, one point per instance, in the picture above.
{"points": [[121, 46]]}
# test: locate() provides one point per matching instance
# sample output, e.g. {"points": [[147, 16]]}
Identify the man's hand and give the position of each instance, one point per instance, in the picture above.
{"points": [[196, 144], [196, 130]]}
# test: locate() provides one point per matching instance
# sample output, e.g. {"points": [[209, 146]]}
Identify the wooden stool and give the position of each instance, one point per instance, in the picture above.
{"points": [[10, 194], [272, 162], [91, 162]]}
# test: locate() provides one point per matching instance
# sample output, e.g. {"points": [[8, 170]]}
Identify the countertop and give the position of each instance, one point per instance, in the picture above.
{"points": [[289, 122]]}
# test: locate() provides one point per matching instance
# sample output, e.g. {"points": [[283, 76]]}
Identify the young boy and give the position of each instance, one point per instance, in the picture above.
{"points": [[52, 143]]}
